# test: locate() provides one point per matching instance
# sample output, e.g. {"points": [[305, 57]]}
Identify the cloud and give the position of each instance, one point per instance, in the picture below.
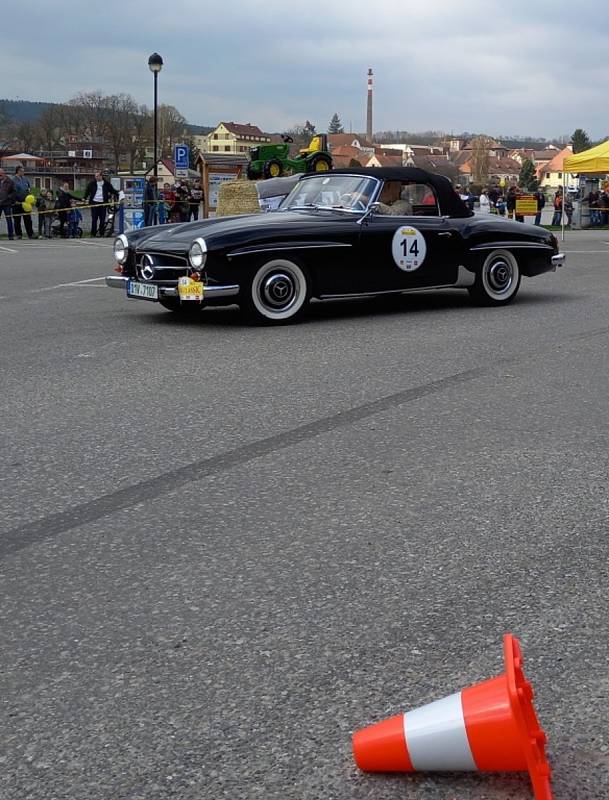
{"points": [[515, 67]]}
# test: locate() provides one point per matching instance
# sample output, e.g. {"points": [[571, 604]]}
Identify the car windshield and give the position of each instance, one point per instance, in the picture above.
{"points": [[346, 192]]}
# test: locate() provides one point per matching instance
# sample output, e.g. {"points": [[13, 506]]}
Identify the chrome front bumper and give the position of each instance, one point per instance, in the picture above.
{"points": [[120, 281], [558, 260]]}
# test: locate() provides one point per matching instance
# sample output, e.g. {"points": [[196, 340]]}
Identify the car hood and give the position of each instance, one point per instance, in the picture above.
{"points": [[240, 228]]}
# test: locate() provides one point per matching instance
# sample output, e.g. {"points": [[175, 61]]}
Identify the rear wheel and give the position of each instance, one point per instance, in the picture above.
{"points": [[273, 168], [320, 163], [498, 280], [277, 293]]}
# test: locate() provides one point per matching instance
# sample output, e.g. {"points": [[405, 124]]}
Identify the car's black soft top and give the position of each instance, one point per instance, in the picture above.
{"points": [[450, 202]]}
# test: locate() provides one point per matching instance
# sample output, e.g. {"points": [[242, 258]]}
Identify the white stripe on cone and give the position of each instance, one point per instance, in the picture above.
{"points": [[436, 736]]}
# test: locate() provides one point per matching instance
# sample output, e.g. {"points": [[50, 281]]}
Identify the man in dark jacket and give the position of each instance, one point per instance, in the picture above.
{"points": [[541, 201], [151, 201], [7, 198], [22, 190], [97, 195]]}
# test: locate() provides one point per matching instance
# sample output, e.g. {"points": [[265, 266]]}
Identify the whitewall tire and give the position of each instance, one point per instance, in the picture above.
{"points": [[498, 280], [277, 292]]}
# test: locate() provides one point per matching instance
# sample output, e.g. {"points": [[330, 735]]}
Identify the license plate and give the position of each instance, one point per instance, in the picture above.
{"points": [[190, 290], [144, 291]]}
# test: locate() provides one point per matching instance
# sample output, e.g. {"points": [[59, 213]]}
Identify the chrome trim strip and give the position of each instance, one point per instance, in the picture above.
{"points": [[521, 245], [116, 281], [274, 247], [388, 291], [140, 253], [119, 282], [559, 259], [221, 291]]}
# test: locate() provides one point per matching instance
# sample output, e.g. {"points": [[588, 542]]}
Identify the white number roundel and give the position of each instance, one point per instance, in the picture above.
{"points": [[408, 248]]}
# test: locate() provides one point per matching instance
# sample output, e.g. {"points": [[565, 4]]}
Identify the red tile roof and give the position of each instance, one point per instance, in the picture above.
{"points": [[243, 130], [339, 139]]}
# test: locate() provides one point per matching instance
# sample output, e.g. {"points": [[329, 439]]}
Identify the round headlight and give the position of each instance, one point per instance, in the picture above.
{"points": [[197, 253], [121, 248]]}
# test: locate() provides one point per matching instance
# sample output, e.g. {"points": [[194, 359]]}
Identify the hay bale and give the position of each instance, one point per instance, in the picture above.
{"points": [[237, 197]]}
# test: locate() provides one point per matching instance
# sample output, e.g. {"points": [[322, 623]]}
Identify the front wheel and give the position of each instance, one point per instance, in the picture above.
{"points": [[498, 280], [320, 163], [273, 168], [277, 292]]}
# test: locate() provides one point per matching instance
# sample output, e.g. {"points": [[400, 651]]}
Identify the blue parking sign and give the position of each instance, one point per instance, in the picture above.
{"points": [[181, 156]]}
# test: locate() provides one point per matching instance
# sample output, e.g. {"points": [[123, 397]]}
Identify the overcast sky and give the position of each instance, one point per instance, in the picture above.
{"points": [[509, 67]]}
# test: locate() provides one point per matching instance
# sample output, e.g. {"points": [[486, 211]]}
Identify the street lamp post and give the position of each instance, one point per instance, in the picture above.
{"points": [[155, 64]]}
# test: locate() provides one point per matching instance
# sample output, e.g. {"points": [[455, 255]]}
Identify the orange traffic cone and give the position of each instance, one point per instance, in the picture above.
{"points": [[489, 727]]}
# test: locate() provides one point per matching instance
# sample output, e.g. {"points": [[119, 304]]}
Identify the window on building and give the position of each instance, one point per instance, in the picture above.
{"points": [[215, 148], [547, 174], [560, 174], [215, 135], [227, 148]]}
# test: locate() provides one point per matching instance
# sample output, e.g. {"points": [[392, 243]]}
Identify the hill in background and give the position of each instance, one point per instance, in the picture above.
{"points": [[30, 111]]}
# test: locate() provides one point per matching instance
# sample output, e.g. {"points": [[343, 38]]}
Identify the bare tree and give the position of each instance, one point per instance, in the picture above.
{"points": [[172, 129], [140, 136], [481, 146], [118, 124], [51, 127], [26, 136], [92, 107]]}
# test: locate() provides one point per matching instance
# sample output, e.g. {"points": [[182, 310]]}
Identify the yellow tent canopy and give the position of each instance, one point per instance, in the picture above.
{"points": [[594, 160]]}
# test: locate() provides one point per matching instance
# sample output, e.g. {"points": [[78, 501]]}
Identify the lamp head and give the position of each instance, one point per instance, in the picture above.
{"points": [[155, 63]]}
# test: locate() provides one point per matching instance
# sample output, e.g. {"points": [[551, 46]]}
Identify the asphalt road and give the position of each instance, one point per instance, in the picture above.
{"points": [[224, 548]]}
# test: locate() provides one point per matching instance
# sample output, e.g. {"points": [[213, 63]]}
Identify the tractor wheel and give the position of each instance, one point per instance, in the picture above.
{"points": [[319, 163], [273, 168], [252, 173]]}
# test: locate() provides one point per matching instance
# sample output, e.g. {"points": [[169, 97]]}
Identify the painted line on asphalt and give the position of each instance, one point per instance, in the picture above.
{"points": [[72, 245], [9, 250], [63, 285]]}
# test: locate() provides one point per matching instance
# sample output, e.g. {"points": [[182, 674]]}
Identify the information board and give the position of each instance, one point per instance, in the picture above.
{"points": [[526, 205]]}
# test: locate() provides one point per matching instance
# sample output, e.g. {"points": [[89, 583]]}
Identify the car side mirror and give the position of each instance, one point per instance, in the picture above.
{"points": [[372, 208]]}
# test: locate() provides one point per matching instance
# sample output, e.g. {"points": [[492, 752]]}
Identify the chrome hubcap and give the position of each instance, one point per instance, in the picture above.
{"points": [[279, 291], [500, 275]]}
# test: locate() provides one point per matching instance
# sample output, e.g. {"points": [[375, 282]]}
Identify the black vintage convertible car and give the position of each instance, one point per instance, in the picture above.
{"points": [[344, 233]]}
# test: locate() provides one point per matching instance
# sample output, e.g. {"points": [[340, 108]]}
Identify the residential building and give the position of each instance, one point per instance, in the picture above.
{"points": [[349, 140], [166, 172], [382, 160], [232, 137], [550, 174]]}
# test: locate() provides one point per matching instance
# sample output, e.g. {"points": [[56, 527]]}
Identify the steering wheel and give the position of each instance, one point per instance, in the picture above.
{"points": [[349, 202], [287, 139]]}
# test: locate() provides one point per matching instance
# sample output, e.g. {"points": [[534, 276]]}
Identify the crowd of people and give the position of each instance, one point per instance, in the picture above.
{"points": [[494, 201], [17, 203], [59, 213], [179, 202]]}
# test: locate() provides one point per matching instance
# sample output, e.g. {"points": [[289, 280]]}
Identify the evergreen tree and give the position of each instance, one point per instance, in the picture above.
{"points": [[528, 177], [309, 129], [580, 140], [335, 125]]}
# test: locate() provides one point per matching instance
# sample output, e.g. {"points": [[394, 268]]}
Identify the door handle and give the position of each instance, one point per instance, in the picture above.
{"points": [[445, 233]]}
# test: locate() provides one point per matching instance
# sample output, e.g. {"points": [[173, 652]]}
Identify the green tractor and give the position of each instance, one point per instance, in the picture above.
{"points": [[273, 160]]}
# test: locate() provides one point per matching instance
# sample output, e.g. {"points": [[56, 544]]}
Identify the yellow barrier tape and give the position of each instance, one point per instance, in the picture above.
{"points": [[67, 209]]}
